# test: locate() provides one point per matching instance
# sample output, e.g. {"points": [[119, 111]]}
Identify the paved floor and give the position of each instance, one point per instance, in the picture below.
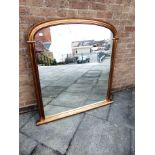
{"points": [[108, 130], [71, 86]]}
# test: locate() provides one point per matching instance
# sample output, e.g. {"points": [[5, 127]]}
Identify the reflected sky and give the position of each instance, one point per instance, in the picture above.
{"points": [[63, 36]]}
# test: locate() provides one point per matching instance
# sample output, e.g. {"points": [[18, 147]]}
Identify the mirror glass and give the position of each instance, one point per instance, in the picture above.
{"points": [[74, 64]]}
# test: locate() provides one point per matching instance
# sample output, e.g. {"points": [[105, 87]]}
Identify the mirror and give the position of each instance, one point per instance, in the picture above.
{"points": [[73, 61]]}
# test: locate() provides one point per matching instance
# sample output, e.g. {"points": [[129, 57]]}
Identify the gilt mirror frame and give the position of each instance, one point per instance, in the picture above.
{"points": [[31, 43]]}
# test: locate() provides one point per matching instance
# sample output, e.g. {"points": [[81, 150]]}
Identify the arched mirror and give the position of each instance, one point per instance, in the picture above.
{"points": [[72, 62]]}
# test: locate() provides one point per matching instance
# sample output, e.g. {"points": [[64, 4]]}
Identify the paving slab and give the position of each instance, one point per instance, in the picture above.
{"points": [[51, 78], [86, 80], [55, 135], [102, 83], [94, 71], [132, 142], [72, 100], [70, 77], [132, 108], [85, 88], [98, 137], [62, 83], [122, 111], [47, 100], [121, 96], [43, 84], [93, 74], [98, 93], [133, 96], [43, 150], [51, 110], [132, 114], [104, 76], [52, 91], [26, 144], [100, 66], [87, 137], [101, 112], [96, 97], [48, 82], [120, 114], [24, 118]]}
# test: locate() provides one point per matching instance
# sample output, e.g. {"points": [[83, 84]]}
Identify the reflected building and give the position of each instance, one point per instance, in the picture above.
{"points": [[44, 36], [42, 47], [82, 47], [88, 46]]}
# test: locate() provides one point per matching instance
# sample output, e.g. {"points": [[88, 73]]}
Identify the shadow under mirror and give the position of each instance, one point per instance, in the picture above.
{"points": [[74, 65]]}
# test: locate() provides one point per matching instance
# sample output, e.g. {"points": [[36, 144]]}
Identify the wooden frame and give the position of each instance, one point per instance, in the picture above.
{"points": [[31, 42]]}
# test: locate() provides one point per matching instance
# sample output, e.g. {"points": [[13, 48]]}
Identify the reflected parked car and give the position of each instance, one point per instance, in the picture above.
{"points": [[70, 60], [83, 59]]}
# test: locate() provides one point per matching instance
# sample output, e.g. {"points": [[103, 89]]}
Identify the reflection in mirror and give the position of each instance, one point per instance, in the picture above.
{"points": [[74, 64]]}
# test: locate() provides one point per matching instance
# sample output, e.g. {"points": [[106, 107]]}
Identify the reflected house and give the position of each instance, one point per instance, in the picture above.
{"points": [[42, 46], [94, 50], [99, 43], [82, 47], [102, 45], [86, 46], [44, 36]]}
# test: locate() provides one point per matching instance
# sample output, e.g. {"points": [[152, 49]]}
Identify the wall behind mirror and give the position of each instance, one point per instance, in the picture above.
{"points": [[74, 64]]}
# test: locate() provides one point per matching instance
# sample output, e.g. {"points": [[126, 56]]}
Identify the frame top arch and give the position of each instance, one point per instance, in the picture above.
{"points": [[55, 22]]}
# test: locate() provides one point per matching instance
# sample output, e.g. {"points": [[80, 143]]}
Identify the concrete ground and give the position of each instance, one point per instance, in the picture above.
{"points": [[108, 130]]}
